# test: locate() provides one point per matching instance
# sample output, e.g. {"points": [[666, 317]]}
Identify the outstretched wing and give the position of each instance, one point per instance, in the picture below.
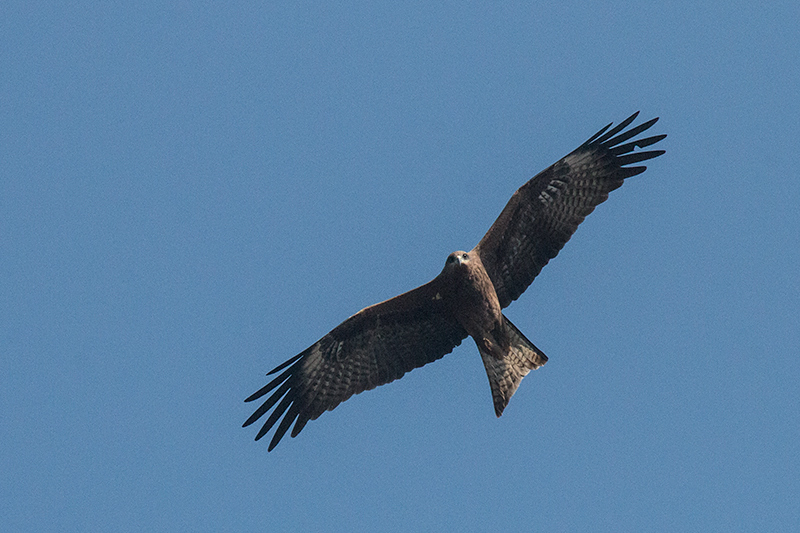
{"points": [[544, 213], [373, 347]]}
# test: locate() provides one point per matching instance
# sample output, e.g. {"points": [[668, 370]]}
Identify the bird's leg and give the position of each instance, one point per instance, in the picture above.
{"points": [[492, 348]]}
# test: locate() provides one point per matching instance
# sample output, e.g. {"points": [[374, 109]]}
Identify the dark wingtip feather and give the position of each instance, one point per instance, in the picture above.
{"points": [[269, 386], [286, 363], [633, 132], [624, 154], [268, 403], [639, 143], [273, 418], [598, 134], [629, 172], [298, 427], [638, 157], [290, 417], [642, 143], [618, 128]]}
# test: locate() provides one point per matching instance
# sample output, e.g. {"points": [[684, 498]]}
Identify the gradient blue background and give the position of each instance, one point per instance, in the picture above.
{"points": [[193, 192]]}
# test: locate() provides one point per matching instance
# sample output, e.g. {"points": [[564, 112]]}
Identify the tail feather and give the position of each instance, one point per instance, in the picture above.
{"points": [[506, 374]]}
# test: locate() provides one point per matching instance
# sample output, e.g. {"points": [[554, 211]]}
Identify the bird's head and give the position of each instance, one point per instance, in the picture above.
{"points": [[457, 259]]}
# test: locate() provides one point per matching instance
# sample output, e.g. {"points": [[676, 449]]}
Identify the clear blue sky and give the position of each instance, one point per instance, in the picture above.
{"points": [[192, 193]]}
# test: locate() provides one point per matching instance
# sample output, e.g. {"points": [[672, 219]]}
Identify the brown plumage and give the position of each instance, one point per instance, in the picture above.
{"points": [[382, 342]]}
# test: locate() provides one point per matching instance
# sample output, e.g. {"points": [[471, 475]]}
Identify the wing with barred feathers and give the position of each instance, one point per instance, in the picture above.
{"points": [[544, 213], [375, 346]]}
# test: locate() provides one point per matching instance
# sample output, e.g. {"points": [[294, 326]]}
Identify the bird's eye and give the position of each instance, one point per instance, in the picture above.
{"points": [[465, 257]]}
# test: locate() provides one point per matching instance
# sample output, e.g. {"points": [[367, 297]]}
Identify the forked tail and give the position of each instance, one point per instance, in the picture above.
{"points": [[506, 374]]}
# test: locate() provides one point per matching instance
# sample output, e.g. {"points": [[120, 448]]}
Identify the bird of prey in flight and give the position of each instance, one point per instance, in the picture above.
{"points": [[380, 343]]}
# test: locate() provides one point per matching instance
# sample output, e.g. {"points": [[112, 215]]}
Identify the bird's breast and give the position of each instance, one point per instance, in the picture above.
{"points": [[474, 302]]}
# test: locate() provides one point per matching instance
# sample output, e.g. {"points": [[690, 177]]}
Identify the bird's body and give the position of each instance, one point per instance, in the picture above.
{"points": [[382, 342], [472, 301]]}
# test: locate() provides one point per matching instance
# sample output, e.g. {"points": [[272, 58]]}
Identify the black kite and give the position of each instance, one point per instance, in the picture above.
{"points": [[384, 341]]}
